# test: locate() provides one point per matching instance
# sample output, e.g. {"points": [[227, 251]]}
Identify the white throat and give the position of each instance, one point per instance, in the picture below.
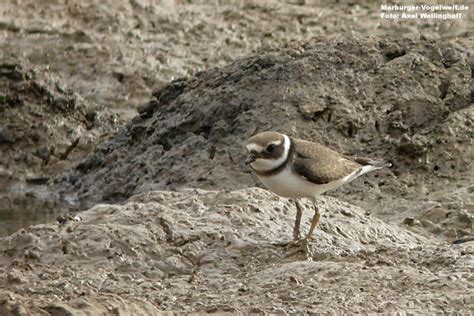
{"points": [[270, 164]]}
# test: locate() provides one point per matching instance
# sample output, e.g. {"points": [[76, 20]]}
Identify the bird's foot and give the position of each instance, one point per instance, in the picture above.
{"points": [[289, 245], [299, 246], [294, 243]]}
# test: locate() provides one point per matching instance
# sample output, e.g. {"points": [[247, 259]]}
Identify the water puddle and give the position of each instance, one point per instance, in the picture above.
{"points": [[23, 204]]}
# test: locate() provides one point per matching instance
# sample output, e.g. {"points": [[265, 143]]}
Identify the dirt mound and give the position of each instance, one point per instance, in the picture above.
{"points": [[116, 51], [44, 129], [222, 251], [41, 121], [408, 101]]}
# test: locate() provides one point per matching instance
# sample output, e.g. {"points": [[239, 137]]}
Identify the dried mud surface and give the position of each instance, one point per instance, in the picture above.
{"points": [[203, 76], [218, 251]]}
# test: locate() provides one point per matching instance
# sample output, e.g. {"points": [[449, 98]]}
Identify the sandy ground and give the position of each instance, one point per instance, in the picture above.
{"points": [[202, 77]]}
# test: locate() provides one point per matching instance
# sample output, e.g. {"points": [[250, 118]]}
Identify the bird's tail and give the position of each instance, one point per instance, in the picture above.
{"points": [[377, 163], [367, 165]]}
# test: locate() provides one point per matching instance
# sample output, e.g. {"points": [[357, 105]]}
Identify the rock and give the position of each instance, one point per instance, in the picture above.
{"points": [[147, 109], [410, 221], [172, 266], [6, 136], [311, 109], [43, 152], [12, 71], [15, 276], [414, 146]]}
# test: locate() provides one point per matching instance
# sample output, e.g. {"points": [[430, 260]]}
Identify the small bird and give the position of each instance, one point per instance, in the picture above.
{"points": [[295, 168]]}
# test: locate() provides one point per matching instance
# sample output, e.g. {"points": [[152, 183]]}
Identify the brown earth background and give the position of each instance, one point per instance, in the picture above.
{"points": [[122, 184]]}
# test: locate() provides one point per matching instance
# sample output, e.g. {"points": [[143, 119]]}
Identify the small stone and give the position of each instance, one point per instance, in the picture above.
{"points": [[11, 71], [64, 218], [35, 137], [15, 277], [147, 109], [154, 274], [43, 153], [6, 136], [347, 213], [413, 146], [91, 116], [309, 110], [294, 279], [410, 221], [32, 254]]}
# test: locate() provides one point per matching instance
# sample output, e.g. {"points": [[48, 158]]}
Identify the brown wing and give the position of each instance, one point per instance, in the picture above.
{"points": [[319, 164]]}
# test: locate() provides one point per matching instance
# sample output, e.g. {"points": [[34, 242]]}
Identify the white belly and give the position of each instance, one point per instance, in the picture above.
{"points": [[290, 185]]}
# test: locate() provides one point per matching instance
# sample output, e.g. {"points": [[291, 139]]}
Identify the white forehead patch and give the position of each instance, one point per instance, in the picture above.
{"points": [[255, 147]]}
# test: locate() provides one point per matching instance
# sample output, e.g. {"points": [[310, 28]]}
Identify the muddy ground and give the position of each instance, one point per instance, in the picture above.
{"points": [[128, 102], [216, 251], [45, 127]]}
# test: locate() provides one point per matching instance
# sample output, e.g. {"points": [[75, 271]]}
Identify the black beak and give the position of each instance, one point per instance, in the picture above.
{"points": [[251, 158]]}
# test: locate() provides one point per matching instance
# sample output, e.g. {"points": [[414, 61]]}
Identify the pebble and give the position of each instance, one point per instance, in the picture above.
{"points": [[15, 276], [6, 136], [43, 152]]}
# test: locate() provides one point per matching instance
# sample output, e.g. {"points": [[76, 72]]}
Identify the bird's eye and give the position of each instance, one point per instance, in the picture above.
{"points": [[270, 148]]}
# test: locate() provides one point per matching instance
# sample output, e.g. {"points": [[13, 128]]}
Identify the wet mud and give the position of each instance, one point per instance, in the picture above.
{"points": [[122, 183]]}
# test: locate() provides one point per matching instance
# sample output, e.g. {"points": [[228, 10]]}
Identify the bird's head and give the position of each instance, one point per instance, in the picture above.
{"points": [[267, 150]]}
